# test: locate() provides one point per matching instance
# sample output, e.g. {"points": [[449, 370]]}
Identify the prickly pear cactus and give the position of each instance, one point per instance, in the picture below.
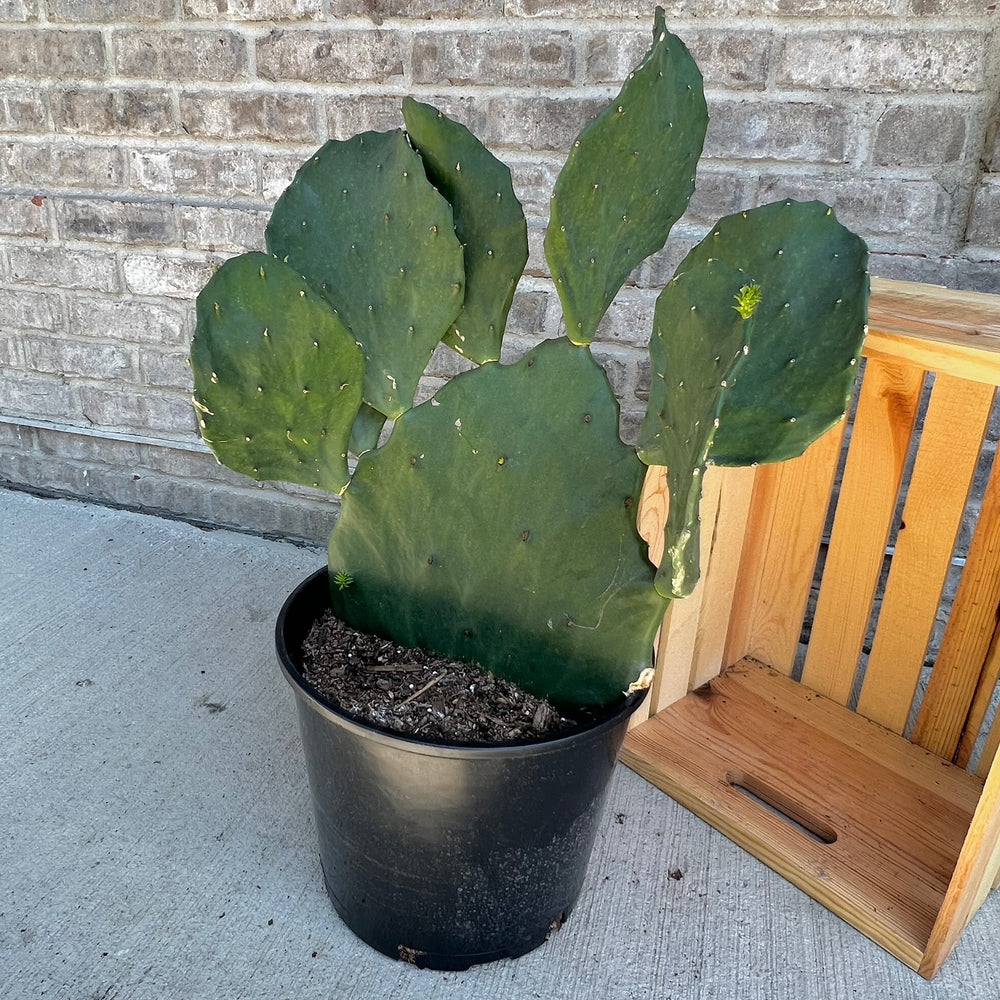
{"points": [[798, 282], [367, 229], [497, 522], [277, 376], [627, 180], [489, 223], [510, 543]]}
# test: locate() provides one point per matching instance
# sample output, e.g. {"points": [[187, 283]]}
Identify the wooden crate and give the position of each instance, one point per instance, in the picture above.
{"points": [[870, 780]]}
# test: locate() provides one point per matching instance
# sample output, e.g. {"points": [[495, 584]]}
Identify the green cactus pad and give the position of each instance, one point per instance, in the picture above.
{"points": [[489, 222], [627, 180], [808, 327], [478, 536], [277, 376], [696, 351], [370, 232]]}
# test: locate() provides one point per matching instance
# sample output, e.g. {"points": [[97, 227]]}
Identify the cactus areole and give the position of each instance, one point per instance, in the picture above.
{"points": [[496, 521]]}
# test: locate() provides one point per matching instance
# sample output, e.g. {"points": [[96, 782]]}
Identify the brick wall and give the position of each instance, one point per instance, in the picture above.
{"points": [[139, 149]]}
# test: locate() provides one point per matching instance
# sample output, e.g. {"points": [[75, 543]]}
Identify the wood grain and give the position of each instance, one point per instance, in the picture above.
{"points": [[950, 442], [887, 408], [784, 529], [967, 637], [899, 815]]}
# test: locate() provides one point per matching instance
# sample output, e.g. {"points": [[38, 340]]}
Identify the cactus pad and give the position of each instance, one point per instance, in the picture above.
{"points": [[627, 180], [807, 331], [696, 351], [489, 223], [539, 574], [369, 231], [277, 376]]}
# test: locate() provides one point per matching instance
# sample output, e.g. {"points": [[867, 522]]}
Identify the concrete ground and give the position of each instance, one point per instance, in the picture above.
{"points": [[156, 839]]}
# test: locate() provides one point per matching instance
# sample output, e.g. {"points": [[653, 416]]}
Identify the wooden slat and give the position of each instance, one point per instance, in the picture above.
{"points": [[677, 650], [935, 328], [990, 748], [887, 407], [784, 530], [967, 637], [726, 544], [654, 503], [691, 640], [977, 714], [950, 443], [973, 877], [898, 815]]}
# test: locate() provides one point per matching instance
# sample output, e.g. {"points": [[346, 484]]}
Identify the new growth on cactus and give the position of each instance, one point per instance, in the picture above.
{"points": [[496, 523]]}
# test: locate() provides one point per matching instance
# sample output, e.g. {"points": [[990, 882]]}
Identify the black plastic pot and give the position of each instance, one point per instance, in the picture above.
{"points": [[447, 855]]}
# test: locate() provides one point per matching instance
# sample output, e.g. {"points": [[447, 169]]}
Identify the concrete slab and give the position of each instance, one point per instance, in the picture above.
{"points": [[156, 839]]}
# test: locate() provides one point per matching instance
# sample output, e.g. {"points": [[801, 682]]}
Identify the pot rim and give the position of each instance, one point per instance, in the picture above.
{"points": [[595, 728]]}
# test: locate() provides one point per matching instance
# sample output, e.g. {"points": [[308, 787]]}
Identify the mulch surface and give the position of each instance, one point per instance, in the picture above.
{"points": [[415, 693]]}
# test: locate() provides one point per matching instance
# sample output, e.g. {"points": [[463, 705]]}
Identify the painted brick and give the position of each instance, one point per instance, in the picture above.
{"points": [[593, 8], [347, 56], [11, 350], [349, 114], [619, 366], [57, 267], [276, 174], [118, 222], [796, 8], [87, 111], [919, 135], [253, 10], [125, 409], [166, 275], [165, 369], [220, 229], [129, 320], [494, 57], [737, 59], [871, 205], [379, 9], [24, 216], [62, 164], [951, 271], [98, 11], [60, 355], [193, 171], [540, 124], [36, 396], [181, 55], [446, 363], [953, 8], [906, 61], [659, 268], [102, 111], [984, 224], [795, 132], [18, 10], [44, 52], [38, 311], [993, 158], [271, 117], [528, 313], [629, 320], [22, 110], [533, 183]]}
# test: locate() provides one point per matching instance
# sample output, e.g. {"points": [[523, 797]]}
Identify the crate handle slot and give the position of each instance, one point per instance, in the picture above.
{"points": [[783, 805]]}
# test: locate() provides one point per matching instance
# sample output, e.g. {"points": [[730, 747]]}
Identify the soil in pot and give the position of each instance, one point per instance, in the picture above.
{"points": [[416, 693]]}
